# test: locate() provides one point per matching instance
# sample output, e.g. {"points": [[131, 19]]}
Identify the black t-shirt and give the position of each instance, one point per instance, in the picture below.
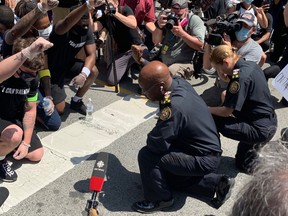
{"points": [[190, 127], [216, 9], [247, 92], [61, 55], [13, 93], [122, 34]]}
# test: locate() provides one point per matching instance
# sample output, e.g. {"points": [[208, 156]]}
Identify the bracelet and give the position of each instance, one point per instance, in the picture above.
{"points": [[86, 71], [25, 144]]}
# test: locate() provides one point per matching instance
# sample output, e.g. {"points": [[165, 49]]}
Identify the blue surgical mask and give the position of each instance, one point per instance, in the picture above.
{"points": [[44, 33], [242, 34], [248, 1]]}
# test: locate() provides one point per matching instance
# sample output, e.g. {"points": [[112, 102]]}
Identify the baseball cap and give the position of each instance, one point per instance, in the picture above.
{"points": [[181, 3], [248, 18]]}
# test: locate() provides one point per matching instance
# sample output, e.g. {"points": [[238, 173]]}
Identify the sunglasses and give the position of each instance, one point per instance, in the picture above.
{"points": [[178, 8]]}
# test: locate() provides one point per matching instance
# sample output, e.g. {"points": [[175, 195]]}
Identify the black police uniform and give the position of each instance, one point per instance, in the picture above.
{"points": [[254, 121], [183, 149]]}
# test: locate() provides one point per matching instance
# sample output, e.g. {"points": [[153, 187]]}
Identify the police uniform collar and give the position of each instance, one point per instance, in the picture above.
{"points": [[174, 83]]}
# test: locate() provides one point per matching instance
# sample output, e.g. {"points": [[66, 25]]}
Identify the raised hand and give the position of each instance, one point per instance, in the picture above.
{"points": [[47, 5], [38, 46]]}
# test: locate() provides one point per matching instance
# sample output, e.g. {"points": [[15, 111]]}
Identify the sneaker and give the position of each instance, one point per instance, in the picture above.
{"points": [[78, 106], [7, 174], [4, 193], [147, 207], [223, 191]]}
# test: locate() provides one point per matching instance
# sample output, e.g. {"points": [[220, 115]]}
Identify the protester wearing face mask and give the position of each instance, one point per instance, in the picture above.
{"points": [[244, 45], [34, 22], [69, 36], [247, 6]]}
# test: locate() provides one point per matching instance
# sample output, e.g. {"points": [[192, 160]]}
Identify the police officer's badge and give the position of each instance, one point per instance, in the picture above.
{"points": [[165, 113], [234, 87]]}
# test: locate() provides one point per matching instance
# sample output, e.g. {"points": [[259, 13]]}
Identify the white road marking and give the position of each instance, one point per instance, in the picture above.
{"points": [[73, 144]]}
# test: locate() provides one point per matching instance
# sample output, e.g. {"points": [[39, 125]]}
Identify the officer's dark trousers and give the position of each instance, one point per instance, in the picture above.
{"points": [[176, 170], [251, 135]]}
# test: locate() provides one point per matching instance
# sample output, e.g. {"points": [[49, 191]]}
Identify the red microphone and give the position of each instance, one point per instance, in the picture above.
{"points": [[97, 181]]}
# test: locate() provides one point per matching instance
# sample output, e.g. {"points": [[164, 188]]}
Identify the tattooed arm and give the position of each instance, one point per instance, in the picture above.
{"points": [[11, 64], [28, 127]]}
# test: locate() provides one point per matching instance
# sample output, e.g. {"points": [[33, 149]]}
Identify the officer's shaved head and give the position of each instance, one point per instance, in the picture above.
{"points": [[155, 79]]}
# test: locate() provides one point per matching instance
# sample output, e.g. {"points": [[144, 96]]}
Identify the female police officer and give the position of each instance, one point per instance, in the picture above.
{"points": [[247, 113]]}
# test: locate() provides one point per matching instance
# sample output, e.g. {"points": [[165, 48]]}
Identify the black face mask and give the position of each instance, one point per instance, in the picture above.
{"points": [[80, 30]]}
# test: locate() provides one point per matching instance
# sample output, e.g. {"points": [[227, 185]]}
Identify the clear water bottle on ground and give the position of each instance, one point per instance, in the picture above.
{"points": [[89, 110], [46, 106]]}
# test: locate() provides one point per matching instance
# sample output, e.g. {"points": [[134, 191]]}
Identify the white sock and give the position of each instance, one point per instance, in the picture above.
{"points": [[76, 98], [2, 157]]}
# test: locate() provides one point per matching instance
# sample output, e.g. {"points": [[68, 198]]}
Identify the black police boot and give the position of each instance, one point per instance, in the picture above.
{"points": [[223, 191], [147, 207]]}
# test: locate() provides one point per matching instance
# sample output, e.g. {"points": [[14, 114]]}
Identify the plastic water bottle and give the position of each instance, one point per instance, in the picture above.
{"points": [[89, 110], [46, 106]]}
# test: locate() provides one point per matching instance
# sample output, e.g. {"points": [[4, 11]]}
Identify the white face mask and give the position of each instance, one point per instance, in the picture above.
{"points": [[45, 32]]}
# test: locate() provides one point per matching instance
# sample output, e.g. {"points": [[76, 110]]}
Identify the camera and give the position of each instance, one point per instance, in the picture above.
{"points": [[111, 9], [172, 20], [223, 25]]}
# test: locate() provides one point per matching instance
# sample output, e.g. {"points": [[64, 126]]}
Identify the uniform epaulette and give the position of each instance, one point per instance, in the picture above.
{"points": [[167, 98], [235, 74]]}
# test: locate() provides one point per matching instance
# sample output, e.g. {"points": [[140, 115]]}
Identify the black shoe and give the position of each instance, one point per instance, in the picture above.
{"points": [[78, 106], [284, 102], [223, 191], [7, 174], [147, 207]]}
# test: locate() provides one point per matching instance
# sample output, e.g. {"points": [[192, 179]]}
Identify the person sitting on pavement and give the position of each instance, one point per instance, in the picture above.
{"points": [[247, 113], [179, 41], [266, 193], [19, 92], [69, 35], [262, 35], [34, 21], [121, 23], [183, 150]]}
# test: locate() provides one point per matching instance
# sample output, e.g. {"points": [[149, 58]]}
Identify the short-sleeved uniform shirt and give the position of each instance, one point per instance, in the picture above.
{"points": [[143, 10], [122, 34], [185, 123], [174, 49], [61, 55], [247, 92], [14, 92]]}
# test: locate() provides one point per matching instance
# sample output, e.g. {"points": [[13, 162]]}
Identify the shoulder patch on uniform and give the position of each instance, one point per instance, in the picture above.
{"points": [[165, 113], [234, 87], [167, 98], [235, 74]]}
